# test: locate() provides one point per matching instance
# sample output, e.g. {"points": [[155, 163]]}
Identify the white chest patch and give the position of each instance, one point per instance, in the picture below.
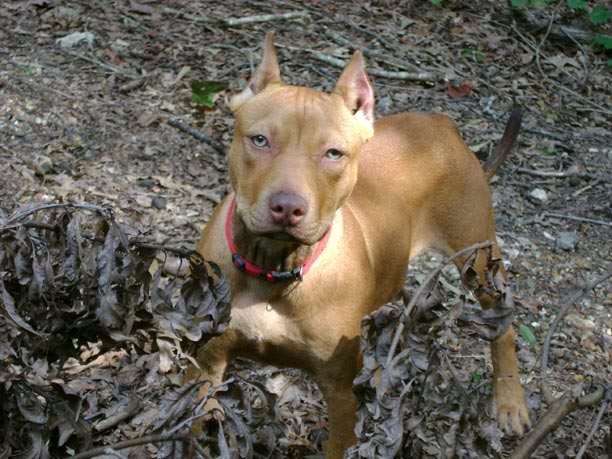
{"points": [[262, 322]]}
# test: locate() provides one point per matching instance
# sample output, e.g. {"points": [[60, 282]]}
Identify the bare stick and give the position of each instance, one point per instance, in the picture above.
{"points": [[130, 410], [569, 173], [414, 76], [217, 146], [602, 409], [537, 50], [104, 65], [578, 219], [232, 22], [129, 443], [551, 420], [567, 303], [436, 272]]}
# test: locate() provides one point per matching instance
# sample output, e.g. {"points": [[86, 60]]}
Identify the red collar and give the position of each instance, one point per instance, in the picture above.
{"points": [[253, 270]]}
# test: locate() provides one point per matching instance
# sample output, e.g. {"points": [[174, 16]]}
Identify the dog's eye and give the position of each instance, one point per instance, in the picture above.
{"points": [[260, 141], [334, 154]]}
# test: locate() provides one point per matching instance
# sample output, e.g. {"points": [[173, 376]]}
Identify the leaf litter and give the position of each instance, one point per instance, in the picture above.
{"points": [[107, 141]]}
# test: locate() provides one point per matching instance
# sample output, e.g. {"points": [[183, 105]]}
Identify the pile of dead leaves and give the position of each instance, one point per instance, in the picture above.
{"points": [[75, 288], [414, 401]]}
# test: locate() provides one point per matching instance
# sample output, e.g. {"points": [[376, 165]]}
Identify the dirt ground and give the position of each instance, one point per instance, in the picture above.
{"points": [[89, 123]]}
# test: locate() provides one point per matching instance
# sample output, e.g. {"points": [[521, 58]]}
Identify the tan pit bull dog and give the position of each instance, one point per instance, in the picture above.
{"points": [[327, 208]]}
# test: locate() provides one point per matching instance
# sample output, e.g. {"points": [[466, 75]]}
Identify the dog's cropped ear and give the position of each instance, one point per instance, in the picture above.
{"points": [[355, 88], [266, 74]]}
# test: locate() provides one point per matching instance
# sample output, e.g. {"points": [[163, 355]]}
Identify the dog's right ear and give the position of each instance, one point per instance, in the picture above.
{"points": [[268, 73]]}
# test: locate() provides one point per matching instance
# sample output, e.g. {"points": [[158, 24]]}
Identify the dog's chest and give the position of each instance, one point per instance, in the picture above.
{"points": [[263, 322]]}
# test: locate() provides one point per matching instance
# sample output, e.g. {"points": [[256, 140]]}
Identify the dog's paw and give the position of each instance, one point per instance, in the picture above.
{"points": [[511, 410]]}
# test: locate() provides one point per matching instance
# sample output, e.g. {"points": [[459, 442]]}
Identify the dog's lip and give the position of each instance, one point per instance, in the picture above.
{"points": [[280, 236]]}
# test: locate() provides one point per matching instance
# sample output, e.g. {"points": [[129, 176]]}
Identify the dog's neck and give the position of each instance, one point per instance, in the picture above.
{"points": [[269, 254]]}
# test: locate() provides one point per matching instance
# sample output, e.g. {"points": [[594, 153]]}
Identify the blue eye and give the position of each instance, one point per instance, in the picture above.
{"points": [[260, 141], [333, 154]]}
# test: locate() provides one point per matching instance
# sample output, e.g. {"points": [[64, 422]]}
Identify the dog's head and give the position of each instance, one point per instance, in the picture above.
{"points": [[293, 160]]}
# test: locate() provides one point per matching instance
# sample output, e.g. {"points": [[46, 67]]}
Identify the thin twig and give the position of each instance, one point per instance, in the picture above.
{"points": [[412, 76], [585, 57], [379, 56], [104, 65], [13, 219], [602, 409], [159, 438], [537, 50], [578, 219], [424, 285], [566, 304]]}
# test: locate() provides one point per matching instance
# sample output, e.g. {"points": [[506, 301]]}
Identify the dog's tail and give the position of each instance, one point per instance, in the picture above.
{"points": [[504, 147]]}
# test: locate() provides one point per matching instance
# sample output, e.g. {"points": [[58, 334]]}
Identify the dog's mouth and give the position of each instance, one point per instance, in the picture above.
{"points": [[294, 235], [306, 233], [281, 236]]}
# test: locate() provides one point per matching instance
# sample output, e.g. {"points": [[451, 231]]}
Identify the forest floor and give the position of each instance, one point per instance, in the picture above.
{"points": [[89, 123]]}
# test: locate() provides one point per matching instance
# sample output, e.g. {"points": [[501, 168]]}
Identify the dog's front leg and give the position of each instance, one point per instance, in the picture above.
{"points": [[342, 409], [213, 359]]}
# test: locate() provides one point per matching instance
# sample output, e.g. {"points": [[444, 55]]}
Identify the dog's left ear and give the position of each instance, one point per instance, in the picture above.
{"points": [[267, 73], [355, 88]]}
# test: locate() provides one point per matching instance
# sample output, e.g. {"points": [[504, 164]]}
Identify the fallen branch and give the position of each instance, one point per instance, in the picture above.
{"points": [[550, 420], [602, 409], [578, 219], [160, 438]]}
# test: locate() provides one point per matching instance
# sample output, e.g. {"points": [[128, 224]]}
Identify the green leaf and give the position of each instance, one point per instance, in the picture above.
{"points": [[577, 4], [542, 3], [520, 3], [527, 334], [610, 63], [205, 92], [604, 42], [473, 53], [600, 15], [476, 377], [437, 2]]}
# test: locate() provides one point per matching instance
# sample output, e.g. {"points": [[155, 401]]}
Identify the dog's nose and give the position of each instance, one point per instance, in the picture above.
{"points": [[287, 209]]}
